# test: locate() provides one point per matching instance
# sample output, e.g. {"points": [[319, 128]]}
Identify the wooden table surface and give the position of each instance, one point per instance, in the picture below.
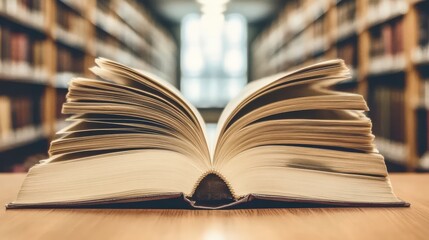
{"points": [[294, 223]]}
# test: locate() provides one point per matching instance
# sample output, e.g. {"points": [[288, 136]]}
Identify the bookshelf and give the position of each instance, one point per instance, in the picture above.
{"points": [[385, 43], [45, 43]]}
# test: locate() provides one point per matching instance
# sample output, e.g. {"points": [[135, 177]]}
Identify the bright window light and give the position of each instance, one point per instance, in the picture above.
{"points": [[213, 58]]}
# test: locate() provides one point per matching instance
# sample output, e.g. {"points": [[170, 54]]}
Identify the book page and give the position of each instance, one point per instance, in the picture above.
{"points": [[257, 88], [122, 74]]}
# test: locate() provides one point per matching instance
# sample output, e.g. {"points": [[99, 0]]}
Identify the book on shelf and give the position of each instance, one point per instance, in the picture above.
{"points": [[386, 49], [29, 12], [423, 122], [70, 63], [347, 23], [21, 55], [380, 11], [20, 120], [388, 118], [285, 138], [348, 52], [71, 28], [421, 53], [18, 112]]}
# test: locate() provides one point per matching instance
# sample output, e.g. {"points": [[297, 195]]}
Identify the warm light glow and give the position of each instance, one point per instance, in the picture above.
{"points": [[213, 235]]}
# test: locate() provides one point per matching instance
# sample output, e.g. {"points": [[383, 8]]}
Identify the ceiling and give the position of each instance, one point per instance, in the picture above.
{"points": [[254, 11]]}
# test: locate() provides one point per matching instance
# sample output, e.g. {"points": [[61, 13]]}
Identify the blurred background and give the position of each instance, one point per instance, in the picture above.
{"points": [[210, 49]]}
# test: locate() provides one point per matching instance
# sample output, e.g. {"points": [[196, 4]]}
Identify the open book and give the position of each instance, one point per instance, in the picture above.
{"points": [[287, 137]]}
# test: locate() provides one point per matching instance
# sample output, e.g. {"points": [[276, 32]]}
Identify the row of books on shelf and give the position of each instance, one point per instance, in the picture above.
{"points": [[135, 16], [380, 11], [387, 104], [386, 37], [21, 118], [29, 12], [346, 19], [299, 14], [69, 61], [424, 93], [423, 130], [112, 24], [421, 53], [295, 17], [387, 48], [388, 112], [77, 5], [18, 112], [123, 55], [133, 45], [20, 54], [69, 64], [71, 28], [423, 135], [387, 64], [295, 52], [348, 52]]}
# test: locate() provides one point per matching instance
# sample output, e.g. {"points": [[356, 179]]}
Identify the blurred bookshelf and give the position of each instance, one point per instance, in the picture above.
{"points": [[45, 43], [385, 43]]}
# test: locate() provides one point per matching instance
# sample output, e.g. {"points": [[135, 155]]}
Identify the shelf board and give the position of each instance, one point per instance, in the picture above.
{"points": [[62, 40], [350, 34], [290, 36], [394, 151], [22, 137], [387, 65], [63, 79], [30, 79], [420, 55], [24, 22], [385, 72], [390, 17], [71, 6], [424, 162], [122, 43]]}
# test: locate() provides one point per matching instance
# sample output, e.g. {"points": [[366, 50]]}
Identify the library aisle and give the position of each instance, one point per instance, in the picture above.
{"points": [[45, 43]]}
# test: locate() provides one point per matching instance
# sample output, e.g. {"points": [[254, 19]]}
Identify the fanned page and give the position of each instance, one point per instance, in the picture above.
{"points": [[290, 135], [132, 135], [140, 102]]}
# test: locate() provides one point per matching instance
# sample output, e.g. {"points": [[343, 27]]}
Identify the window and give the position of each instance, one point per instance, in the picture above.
{"points": [[213, 58]]}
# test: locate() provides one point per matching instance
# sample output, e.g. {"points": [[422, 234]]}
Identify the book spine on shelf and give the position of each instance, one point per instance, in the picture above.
{"points": [[71, 28], [20, 119], [387, 105], [300, 34], [121, 37], [21, 55], [387, 48], [421, 53]]}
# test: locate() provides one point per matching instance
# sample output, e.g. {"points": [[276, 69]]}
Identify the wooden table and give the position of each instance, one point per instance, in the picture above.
{"points": [[295, 223]]}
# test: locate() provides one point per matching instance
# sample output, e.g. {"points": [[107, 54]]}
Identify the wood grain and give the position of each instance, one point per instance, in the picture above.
{"points": [[294, 223]]}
